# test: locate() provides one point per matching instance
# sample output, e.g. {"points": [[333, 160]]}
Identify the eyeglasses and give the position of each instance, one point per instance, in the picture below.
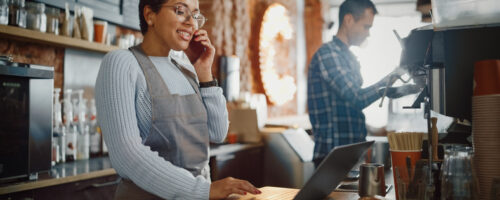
{"points": [[183, 14]]}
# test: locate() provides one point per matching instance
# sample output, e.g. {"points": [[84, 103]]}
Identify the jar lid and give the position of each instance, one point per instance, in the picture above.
{"points": [[34, 5], [19, 3], [40, 6], [53, 11]]}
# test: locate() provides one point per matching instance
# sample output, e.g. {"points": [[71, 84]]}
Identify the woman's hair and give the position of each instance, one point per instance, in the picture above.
{"points": [[155, 5]]}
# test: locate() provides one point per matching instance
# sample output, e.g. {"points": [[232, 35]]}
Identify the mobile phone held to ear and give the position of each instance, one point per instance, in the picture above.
{"points": [[194, 50]]}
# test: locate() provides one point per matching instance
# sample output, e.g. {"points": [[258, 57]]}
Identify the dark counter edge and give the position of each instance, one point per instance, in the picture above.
{"points": [[215, 149]]}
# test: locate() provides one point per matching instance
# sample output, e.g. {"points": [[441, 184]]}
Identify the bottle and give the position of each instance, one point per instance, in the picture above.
{"points": [[36, 18], [83, 144], [53, 20], [82, 109], [17, 13], [71, 148], [76, 114], [68, 109], [62, 144], [4, 12], [95, 142], [57, 118], [55, 149], [104, 147], [95, 137]]}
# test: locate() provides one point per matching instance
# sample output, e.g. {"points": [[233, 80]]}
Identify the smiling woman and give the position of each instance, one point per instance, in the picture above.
{"points": [[157, 100]]}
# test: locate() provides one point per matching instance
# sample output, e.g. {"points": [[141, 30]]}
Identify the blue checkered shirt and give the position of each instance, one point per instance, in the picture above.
{"points": [[335, 98]]}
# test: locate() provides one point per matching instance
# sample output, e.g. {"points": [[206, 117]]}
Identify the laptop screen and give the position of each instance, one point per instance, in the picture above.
{"points": [[332, 170]]}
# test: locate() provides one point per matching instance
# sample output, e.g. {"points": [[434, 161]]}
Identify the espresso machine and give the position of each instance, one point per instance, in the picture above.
{"points": [[442, 62], [25, 120]]}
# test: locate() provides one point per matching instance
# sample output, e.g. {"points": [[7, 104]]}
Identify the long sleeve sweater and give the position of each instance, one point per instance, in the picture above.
{"points": [[124, 112]]}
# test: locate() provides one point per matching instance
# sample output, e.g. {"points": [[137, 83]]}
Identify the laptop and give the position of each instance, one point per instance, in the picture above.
{"points": [[330, 172]]}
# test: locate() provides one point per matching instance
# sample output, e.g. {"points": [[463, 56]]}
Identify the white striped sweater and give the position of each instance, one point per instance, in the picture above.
{"points": [[124, 112]]}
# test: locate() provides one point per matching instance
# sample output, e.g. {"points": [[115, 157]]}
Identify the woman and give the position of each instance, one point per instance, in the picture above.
{"points": [[159, 111]]}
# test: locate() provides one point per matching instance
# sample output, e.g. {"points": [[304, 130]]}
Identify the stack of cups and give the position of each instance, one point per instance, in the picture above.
{"points": [[486, 123]]}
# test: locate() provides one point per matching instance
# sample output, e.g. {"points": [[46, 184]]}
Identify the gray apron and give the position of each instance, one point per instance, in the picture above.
{"points": [[179, 131]]}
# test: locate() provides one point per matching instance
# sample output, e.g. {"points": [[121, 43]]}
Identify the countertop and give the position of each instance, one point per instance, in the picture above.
{"points": [[64, 173], [94, 168], [277, 193]]}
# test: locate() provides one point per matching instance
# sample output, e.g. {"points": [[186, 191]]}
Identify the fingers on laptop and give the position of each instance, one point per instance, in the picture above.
{"points": [[239, 186], [229, 185]]}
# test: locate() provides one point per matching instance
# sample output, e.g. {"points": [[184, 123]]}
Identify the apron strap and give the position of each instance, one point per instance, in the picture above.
{"points": [[190, 76], [149, 70]]}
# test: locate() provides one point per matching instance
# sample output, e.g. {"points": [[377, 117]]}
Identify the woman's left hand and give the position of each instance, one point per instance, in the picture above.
{"points": [[201, 53]]}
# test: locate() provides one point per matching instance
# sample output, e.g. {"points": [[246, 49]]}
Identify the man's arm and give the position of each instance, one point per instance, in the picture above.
{"points": [[341, 78]]}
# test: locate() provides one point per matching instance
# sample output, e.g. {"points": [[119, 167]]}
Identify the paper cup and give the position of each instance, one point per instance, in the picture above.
{"points": [[100, 29], [486, 77], [398, 158]]}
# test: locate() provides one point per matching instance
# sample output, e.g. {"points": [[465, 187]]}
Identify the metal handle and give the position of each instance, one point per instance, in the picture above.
{"points": [[385, 91]]}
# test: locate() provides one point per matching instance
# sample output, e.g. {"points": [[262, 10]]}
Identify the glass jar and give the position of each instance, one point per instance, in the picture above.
{"points": [[17, 13], [4, 12], [36, 19], [458, 178], [53, 20]]}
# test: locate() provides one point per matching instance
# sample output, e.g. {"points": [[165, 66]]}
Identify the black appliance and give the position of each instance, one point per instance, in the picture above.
{"points": [[25, 120], [444, 59]]}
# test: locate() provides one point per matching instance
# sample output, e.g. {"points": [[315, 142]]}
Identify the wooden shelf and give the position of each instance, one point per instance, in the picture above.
{"points": [[27, 35]]}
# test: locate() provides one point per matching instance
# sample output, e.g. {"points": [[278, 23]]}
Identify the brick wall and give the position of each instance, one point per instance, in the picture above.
{"points": [[24, 52]]}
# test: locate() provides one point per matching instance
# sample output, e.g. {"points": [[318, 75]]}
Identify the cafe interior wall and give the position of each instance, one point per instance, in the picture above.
{"points": [[234, 28], [25, 52], [63, 60]]}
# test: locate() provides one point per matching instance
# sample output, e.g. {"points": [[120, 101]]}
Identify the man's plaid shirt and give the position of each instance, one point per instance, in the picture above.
{"points": [[335, 98]]}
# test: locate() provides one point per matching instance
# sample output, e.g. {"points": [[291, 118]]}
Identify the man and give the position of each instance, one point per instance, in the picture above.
{"points": [[335, 97]]}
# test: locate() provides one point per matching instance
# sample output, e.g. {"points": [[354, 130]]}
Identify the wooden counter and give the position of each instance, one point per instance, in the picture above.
{"points": [[93, 168], [278, 193]]}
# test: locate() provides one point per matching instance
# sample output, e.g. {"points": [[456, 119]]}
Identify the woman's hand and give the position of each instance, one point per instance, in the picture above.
{"points": [[223, 188], [201, 53]]}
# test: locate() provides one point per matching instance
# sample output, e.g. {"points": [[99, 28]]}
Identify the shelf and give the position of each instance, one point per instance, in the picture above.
{"points": [[56, 181], [27, 35], [64, 173]]}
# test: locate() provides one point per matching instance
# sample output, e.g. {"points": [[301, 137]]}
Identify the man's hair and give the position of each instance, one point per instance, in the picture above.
{"points": [[356, 8], [155, 5]]}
